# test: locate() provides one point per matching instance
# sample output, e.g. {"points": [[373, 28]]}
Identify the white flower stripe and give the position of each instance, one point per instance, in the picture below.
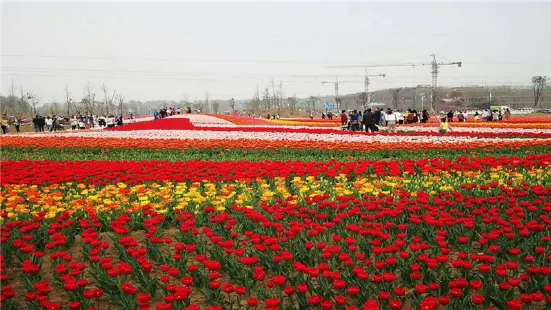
{"points": [[273, 136]]}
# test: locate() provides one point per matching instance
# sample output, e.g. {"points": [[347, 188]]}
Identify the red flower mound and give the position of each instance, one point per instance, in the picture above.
{"points": [[161, 124]]}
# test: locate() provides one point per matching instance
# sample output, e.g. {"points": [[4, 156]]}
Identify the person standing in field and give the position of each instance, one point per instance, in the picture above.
{"points": [[450, 116], [391, 121], [49, 123], [507, 115], [425, 116], [460, 117], [377, 117], [4, 125], [444, 126], [36, 124], [485, 115], [355, 121], [368, 120], [344, 118], [17, 123]]}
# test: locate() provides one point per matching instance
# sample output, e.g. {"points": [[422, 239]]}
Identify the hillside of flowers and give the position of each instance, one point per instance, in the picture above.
{"points": [[222, 212]]}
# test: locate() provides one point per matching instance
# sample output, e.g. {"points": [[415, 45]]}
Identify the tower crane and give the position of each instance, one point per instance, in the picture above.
{"points": [[337, 82], [366, 85], [435, 66]]}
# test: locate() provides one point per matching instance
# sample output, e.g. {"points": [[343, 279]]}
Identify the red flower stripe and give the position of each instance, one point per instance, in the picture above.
{"points": [[135, 172]]}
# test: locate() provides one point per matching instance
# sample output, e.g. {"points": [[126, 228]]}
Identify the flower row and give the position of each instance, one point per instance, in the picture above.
{"points": [[104, 172]]}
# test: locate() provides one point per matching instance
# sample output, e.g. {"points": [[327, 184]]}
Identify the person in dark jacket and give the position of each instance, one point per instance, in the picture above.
{"points": [[41, 123], [368, 120], [36, 123], [377, 116]]}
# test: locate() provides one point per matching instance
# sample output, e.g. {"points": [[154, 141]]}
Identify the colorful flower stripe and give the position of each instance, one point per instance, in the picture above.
{"points": [[161, 124], [300, 123], [105, 172], [164, 142], [501, 124], [167, 195], [458, 242], [241, 120], [185, 124]]}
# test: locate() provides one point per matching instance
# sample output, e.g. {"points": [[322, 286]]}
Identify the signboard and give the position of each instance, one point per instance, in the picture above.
{"points": [[330, 105]]}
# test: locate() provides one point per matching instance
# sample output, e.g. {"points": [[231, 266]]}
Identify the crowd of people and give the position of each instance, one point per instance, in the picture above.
{"points": [[41, 123], [371, 120], [165, 112]]}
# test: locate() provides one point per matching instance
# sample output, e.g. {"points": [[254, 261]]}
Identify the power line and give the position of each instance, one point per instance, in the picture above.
{"points": [[220, 74], [227, 60]]}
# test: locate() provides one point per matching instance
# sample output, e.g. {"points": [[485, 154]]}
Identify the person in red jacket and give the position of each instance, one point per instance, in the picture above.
{"points": [[344, 118]]}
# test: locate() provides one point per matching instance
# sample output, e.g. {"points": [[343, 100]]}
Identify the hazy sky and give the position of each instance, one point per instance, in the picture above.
{"points": [[175, 50]]}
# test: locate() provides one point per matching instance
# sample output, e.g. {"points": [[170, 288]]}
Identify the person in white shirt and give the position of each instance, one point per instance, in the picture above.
{"points": [[49, 123], [178, 111], [399, 117], [111, 121], [391, 120], [485, 115]]}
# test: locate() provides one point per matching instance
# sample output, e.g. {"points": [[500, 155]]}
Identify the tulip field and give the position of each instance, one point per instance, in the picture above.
{"points": [[222, 212]]}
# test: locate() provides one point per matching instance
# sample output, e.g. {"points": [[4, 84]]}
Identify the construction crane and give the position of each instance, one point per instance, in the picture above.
{"points": [[337, 82], [434, 71], [366, 84]]}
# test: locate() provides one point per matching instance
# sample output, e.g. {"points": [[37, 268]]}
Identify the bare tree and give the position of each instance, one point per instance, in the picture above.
{"points": [[215, 106], [54, 107], [68, 100], [88, 100], [312, 101], [108, 101], [254, 104], [266, 99], [539, 83], [281, 95], [34, 100], [207, 102], [275, 101], [23, 101], [232, 104], [120, 100], [292, 102], [394, 92]]}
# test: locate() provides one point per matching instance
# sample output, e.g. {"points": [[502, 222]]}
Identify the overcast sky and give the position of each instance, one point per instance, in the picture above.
{"points": [[176, 50]]}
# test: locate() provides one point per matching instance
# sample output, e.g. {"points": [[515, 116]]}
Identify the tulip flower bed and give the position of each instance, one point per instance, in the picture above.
{"points": [[203, 213]]}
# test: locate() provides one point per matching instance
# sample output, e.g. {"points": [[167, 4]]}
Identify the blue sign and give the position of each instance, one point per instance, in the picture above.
{"points": [[329, 105]]}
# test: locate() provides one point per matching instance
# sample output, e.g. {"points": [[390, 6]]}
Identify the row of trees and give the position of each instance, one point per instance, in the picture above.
{"points": [[24, 103], [27, 103]]}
